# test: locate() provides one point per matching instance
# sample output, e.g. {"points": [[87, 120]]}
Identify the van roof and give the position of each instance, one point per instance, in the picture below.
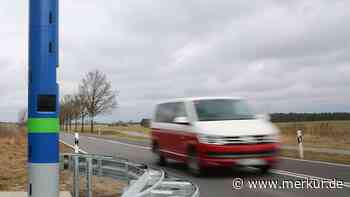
{"points": [[198, 98]]}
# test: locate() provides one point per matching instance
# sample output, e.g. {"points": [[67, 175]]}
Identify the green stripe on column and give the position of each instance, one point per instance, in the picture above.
{"points": [[43, 125]]}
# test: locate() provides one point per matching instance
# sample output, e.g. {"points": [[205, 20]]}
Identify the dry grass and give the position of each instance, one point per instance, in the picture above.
{"points": [[118, 132], [325, 134], [13, 176], [8, 130], [106, 128], [102, 186], [121, 136], [132, 128], [13, 162]]}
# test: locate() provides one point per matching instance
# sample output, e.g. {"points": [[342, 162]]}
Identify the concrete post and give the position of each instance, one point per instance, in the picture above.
{"points": [[43, 100]]}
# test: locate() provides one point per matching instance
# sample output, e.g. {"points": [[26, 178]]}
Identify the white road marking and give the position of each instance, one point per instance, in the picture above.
{"points": [[304, 176], [319, 162], [121, 143]]}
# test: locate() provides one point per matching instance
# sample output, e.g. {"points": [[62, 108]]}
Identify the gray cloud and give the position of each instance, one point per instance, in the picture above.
{"points": [[282, 55]]}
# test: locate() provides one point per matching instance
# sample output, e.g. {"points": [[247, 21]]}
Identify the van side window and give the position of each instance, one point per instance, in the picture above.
{"points": [[160, 113], [180, 110], [167, 112]]}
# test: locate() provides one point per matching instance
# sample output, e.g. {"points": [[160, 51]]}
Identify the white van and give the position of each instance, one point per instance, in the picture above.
{"points": [[215, 131]]}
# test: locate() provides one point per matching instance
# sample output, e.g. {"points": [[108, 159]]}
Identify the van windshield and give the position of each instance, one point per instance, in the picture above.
{"points": [[222, 109]]}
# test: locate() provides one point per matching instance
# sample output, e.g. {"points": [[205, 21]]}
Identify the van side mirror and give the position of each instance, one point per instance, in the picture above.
{"points": [[181, 120]]}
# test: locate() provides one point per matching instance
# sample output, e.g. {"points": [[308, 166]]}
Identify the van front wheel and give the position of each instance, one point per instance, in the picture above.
{"points": [[265, 169], [193, 163]]}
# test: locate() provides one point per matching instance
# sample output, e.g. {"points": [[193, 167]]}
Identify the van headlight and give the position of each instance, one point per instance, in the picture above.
{"points": [[210, 139]]}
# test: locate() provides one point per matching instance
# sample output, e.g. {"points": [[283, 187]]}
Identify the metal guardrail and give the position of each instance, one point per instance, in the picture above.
{"points": [[142, 181]]}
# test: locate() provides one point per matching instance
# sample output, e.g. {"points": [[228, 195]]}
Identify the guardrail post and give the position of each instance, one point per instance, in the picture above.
{"points": [[89, 176], [76, 184], [99, 166], [127, 173]]}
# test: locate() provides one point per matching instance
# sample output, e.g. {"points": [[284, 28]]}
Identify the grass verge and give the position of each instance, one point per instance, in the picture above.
{"points": [[318, 134], [13, 162]]}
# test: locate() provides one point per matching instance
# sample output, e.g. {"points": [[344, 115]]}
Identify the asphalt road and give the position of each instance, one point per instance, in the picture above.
{"points": [[218, 182]]}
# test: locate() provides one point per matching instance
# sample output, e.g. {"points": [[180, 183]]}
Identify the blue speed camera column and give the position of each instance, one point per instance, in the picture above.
{"points": [[43, 106]]}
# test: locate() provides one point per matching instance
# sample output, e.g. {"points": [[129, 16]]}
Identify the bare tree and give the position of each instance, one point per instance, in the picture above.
{"points": [[22, 117], [98, 95], [72, 109], [63, 114], [80, 105], [75, 110], [67, 112]]}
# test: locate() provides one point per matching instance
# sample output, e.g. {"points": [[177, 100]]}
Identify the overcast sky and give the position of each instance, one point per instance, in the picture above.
{"points": [[284, 56]]}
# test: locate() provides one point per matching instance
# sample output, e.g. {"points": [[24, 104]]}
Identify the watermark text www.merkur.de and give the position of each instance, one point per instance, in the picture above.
{"points": [[239, 183]]}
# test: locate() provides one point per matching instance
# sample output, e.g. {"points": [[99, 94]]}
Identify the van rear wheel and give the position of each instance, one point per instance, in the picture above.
{"points": [[160, 159]]}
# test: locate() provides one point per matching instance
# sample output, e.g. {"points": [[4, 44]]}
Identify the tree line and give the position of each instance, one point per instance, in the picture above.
{"points": [[95, 96], [297, 117]]}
